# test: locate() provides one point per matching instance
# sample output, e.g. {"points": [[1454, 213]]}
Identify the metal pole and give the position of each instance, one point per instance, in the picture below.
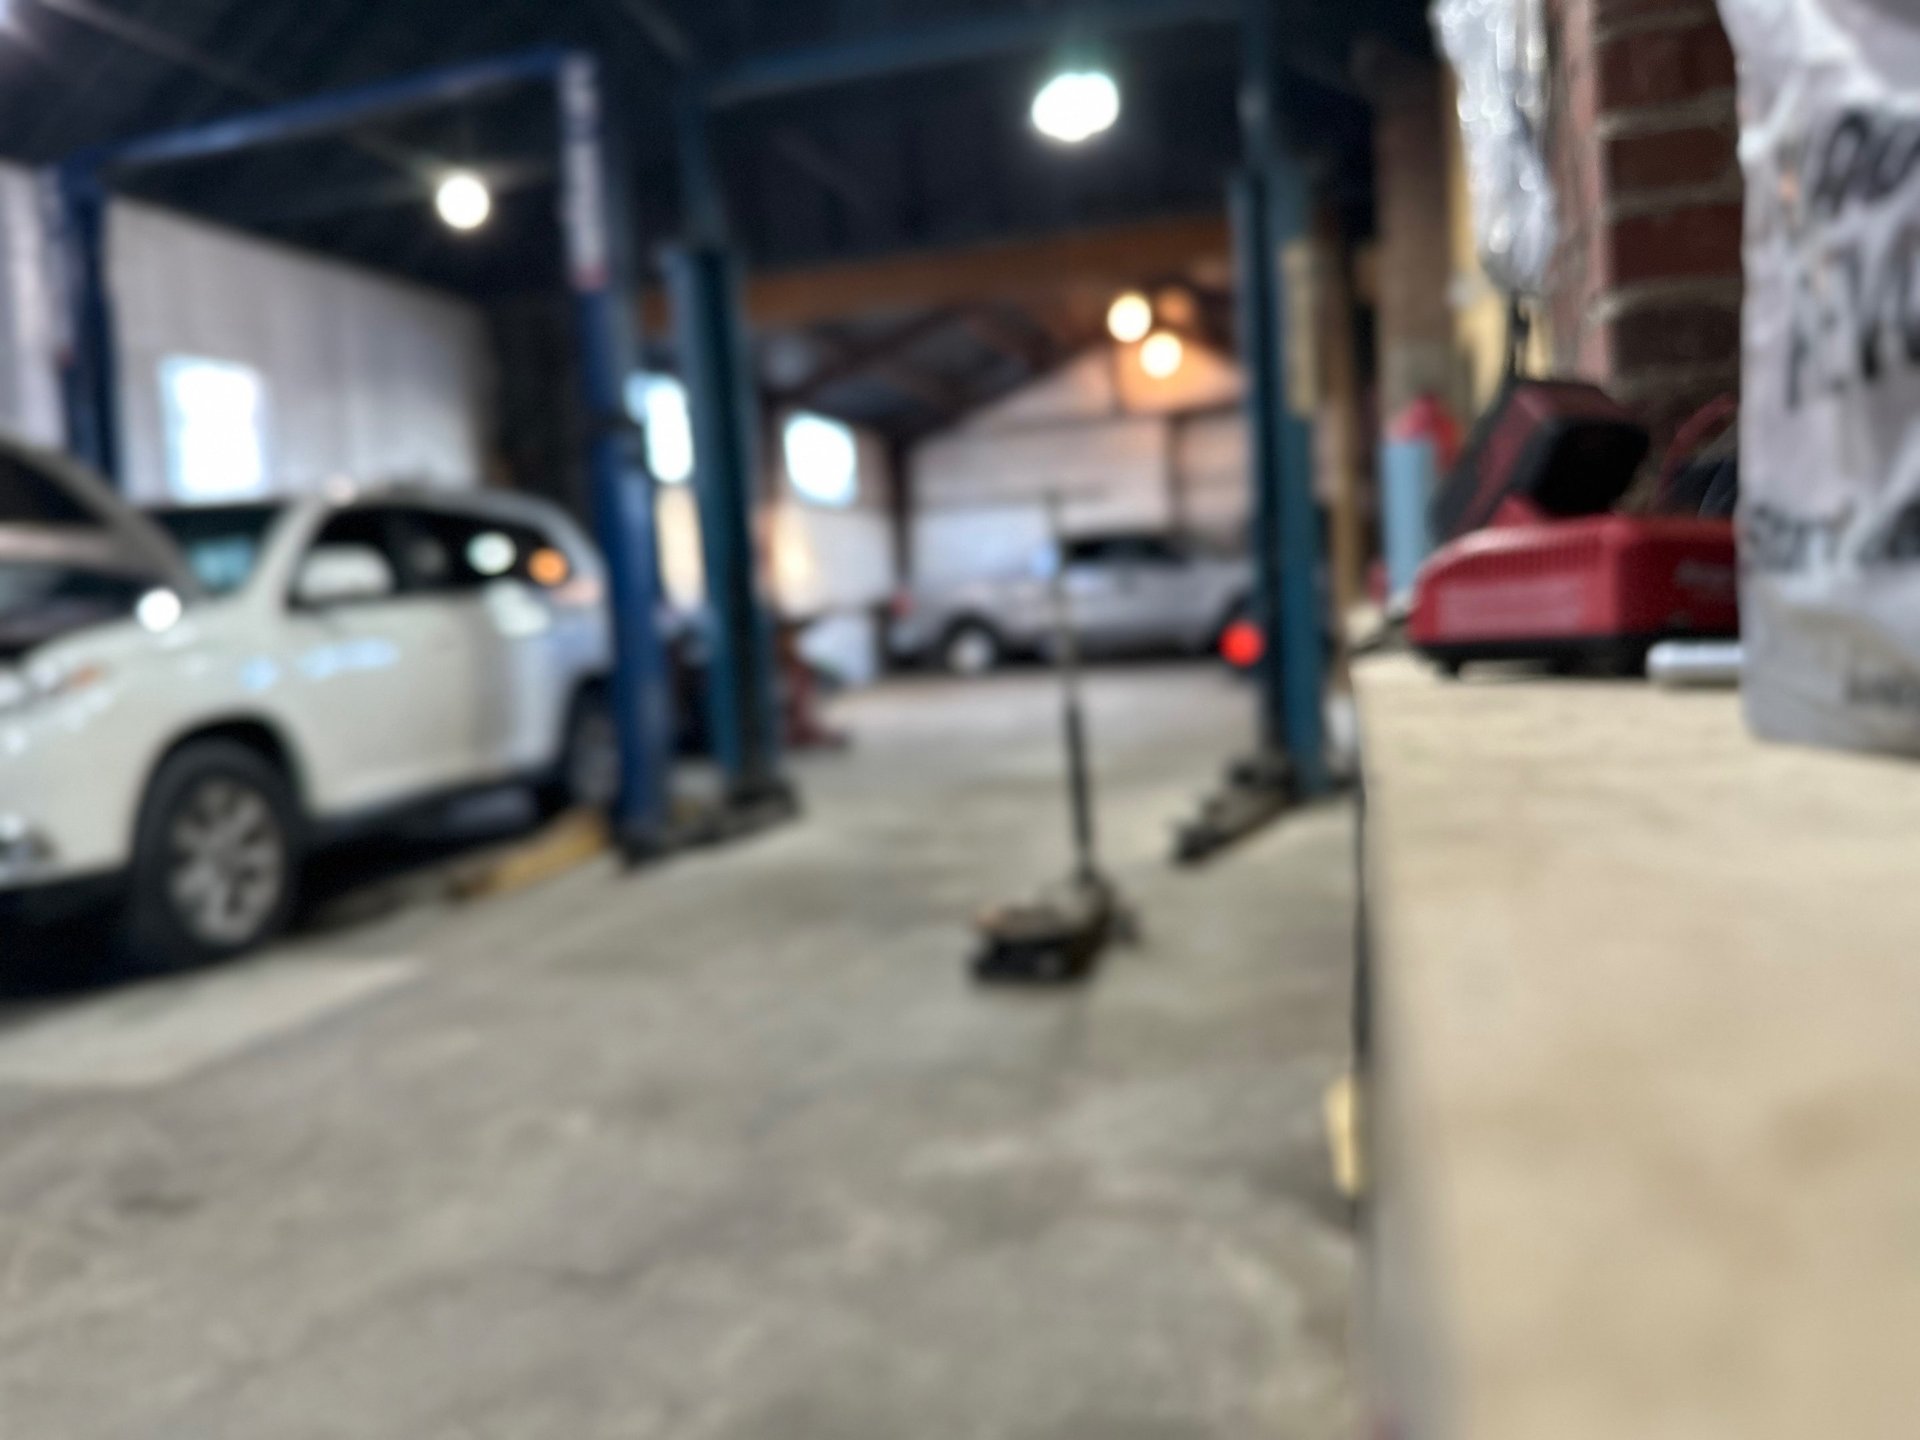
{"points": [[599, 267], [331, 113], [89, 382], [1303, 627], [1086, 864], [743, 705], [1253, 254], [1270, 214]]}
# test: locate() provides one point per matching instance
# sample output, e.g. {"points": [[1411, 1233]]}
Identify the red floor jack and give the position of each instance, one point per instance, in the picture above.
{"points": [[1059, 937], [1535, 564]]}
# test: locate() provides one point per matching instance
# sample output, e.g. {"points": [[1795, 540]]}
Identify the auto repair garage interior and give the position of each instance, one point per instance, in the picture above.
{"points": [[678, 745]]}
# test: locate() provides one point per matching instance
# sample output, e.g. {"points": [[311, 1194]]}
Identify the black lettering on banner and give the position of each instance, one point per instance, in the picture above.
{"points": [[1897, 542], [1839, 160], [1894, 159], [1885, 691], [1854, 311], [1906, 259], [1775, 542]]}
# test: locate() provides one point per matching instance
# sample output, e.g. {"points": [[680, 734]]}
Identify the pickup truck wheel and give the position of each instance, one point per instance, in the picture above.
{"points": [[970, 648], [216, 857]]}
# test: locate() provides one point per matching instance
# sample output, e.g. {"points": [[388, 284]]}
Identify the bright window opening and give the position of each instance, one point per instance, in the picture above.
{"points": [[216, 429], [823, 462], [659, 402]]}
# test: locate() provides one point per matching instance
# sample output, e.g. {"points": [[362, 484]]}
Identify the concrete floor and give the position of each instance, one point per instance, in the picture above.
{"points": [[727, 1150]]}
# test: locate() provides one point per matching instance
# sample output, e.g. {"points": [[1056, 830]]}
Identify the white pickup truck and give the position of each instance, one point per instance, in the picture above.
{"points": [[1129, 592]]}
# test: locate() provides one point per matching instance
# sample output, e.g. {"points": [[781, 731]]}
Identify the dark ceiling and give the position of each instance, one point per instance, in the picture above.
{"points": [[936, 158]]}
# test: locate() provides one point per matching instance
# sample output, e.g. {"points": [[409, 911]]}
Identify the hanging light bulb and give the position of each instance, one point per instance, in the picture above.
{"points": [[1162, 355], [463, 200], [1130, 317], [1076, 105]]}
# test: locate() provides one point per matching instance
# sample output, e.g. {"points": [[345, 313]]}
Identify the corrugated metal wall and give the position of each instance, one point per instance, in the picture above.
{"points": [[366, 377]]}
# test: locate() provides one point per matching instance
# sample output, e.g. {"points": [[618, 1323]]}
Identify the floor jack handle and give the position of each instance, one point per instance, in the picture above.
{"points": [[1067, 661]]}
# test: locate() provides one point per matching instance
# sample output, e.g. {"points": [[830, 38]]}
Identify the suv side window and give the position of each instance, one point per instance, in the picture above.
{"points": [[445, 551], [364, 527]]}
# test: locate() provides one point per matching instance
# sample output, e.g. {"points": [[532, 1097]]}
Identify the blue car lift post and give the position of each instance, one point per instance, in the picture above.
{"points": [[713, 358], [1271, 198], [595, 221]]}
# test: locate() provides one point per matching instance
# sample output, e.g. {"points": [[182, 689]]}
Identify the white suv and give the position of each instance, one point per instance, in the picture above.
{"points": [[181, 722]]}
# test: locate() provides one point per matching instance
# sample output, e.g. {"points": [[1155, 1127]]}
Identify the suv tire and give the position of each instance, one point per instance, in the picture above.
{"points": [[587, 774], [216, 857]]}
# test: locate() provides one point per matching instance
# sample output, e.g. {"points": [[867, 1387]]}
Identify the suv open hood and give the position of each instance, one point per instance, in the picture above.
{"points": [[119, 537]]}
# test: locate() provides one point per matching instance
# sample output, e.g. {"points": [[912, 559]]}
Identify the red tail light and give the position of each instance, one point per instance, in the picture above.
{"points": [[1242, 645]]}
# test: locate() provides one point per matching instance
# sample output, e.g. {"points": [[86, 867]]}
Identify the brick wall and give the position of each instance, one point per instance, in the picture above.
{"points": [[1645, 291]]}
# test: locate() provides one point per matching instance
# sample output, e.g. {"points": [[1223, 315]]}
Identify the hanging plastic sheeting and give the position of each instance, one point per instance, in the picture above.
{"points": [[1498, 52], [1830, 441]]}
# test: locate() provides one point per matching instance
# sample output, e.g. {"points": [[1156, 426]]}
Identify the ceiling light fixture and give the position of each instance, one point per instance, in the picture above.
{"points": [[463, 200], [1130, 318], [1076, 105], [1162, 355]]}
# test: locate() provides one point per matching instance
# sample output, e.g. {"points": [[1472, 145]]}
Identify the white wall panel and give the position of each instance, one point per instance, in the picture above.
{"points": [[1121, 450], [821, 559], [826, 559], [1116, 465], [367, 377], [830, 559], [1214, 463]]}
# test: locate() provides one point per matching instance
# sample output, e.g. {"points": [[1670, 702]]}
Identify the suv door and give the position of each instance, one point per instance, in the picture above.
{"points": [[383, 706], [49, 499], [511, 666]]}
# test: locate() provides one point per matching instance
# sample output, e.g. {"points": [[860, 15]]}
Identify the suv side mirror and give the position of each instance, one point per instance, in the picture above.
{"points": [[341, 574]]}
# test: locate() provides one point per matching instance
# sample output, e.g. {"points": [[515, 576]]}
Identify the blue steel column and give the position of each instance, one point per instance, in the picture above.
{"points": [[89, 385], [599, 266], [743, 705], [1270, 202]]}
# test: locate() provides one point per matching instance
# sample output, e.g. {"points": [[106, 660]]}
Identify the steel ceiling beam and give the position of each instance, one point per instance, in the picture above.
{"points": [[792, 72], [1095, 261], [804, 154], [1030, 348], [882, 358], [666, 33], [396, 193], [326, 114], [161, 45]]}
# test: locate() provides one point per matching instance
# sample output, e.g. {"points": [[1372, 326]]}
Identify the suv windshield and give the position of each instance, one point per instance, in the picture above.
{"points": [[42, 600], [222, 543]]}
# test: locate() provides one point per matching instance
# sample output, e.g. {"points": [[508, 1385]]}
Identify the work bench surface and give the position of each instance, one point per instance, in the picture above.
{"points": [[1648, 1019]]}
